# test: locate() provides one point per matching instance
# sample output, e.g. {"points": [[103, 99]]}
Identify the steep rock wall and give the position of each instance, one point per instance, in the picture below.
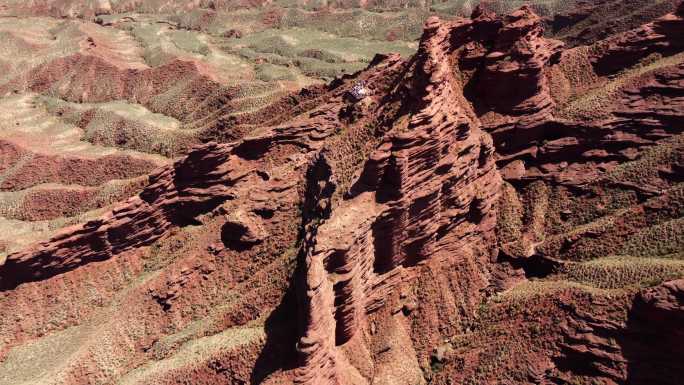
{"points": [[397, 242], [426, 193]]}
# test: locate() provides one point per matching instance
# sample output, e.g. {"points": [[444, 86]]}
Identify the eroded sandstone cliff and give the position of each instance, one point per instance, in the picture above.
{"points": [[394, 238]]}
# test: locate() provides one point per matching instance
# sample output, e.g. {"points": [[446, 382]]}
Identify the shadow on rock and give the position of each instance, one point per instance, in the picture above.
{"points": [[279, 352], [653, 342]]}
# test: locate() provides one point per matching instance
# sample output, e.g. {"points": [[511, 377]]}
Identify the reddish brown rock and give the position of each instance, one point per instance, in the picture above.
{"points": [[588, 21], [574, 111], [370, 233], [664, 306], [35, 169], [512, 81], [644, 348], [662, 36], [426, 192], [242, 231]]}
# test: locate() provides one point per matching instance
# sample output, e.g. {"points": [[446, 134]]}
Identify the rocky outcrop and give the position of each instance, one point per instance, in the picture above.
{"points": [[172, 198], [645, 348], [502, 64], [589, 21], [425, 193], [512, 81], [653, 342], [396, 252], [208, 176], [664, 305], [662, 36], [573, 110], [646, 111]]}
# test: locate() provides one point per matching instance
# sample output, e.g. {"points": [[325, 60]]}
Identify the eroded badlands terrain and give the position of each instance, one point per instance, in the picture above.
{"points": [[502, 205]]}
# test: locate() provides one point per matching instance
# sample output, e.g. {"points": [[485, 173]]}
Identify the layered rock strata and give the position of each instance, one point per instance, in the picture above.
{"points": [[426, 192], [643, 348], [210, 175], [590, 122], [397, 247]]}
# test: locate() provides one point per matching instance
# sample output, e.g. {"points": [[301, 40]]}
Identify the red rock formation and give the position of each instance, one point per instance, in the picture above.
{"points": [[656, 354], [645, 348], [588, 21], [426, 192], [559, 128], [397, 247], [512, 80], [663, 304], [252, 182], [502, 64], [203, 94], [174, 196], [662, 36]]}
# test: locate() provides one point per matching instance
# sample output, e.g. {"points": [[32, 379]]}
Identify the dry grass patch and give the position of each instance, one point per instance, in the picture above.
{"points": [[624, 271]]}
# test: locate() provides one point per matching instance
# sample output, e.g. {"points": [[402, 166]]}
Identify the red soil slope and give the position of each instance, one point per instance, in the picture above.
{"points": [[389, 239]]}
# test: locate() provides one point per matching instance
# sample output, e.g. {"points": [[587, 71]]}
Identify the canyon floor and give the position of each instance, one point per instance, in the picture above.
{"points": [[376, 192]]}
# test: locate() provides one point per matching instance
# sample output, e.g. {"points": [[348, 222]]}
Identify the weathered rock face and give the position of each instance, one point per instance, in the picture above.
{"points": [[210, 175], [642, 348], [168, 200], [512, 81], [241, 200], [502, 62], [589, 21], [589, 179], [379, 234], [653, 339], [576, 152], [550, 112], [664, 305], [426, 193], [662, 36], [422, 201]]}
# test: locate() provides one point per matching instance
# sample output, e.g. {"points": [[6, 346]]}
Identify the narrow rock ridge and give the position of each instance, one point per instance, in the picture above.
{"points": [[176, 196], [426, 192], [168, 200]]}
